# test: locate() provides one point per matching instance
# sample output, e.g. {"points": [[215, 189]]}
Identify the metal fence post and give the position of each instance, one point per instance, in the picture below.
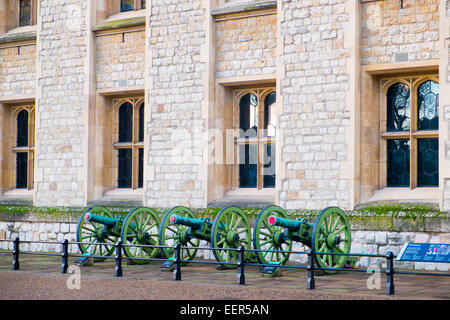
{"points": [[65, 256], [118, 259], [390, 290], [16, 264], [311, 282], [241, 264], [177, 270]]}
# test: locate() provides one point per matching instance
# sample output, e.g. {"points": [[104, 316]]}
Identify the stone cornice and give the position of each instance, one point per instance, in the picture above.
{"points": [[245, 9]]}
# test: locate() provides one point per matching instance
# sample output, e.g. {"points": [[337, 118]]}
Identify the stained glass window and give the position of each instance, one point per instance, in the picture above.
{"points": [[428, 106], [428, 163], [126, 5], [125, 172], [398, 107], [143, 4], [126, 122], [25, 13], [22, 129], [21, 170], [248, 166], [398, 163], [248, 113]]}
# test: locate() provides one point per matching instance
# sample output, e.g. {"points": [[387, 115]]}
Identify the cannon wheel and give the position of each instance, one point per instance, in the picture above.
{"points": [[140, 227], [267, 237], [171, 235], [231, 229], [331, 233], [88, 231]]}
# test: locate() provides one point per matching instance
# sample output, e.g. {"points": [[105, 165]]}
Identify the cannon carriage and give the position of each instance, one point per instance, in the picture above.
{"points": [[98, 232], [330, 233], [229, 230]]}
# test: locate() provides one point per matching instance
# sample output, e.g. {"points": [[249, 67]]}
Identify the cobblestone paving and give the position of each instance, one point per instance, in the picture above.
{"points": [[39, 278]]}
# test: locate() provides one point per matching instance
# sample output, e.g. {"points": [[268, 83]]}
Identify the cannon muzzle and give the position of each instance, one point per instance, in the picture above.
{"points": [[110, 222], [286, 223], [190, 222]]}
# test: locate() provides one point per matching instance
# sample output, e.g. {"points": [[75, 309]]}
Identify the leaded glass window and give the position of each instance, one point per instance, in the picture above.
{"points": [[412, 147], [25, 13], [126, 5], [130, 142], [428, 106], [143, 4], [398, 115], [398, 163], [23, 150], [256, 140], [428, 163]]}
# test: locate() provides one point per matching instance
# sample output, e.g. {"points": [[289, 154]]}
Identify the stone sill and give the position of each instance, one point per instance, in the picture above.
{"points": [[118, 24], [19, 34], [245, 6]]}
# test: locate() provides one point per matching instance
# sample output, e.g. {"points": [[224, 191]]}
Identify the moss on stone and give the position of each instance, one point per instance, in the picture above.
{"points": [[120, 24], [18, 37]]}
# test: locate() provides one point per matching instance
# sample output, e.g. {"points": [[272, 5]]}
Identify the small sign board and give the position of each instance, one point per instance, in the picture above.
{"points": [[424, 252], [85, 260]]}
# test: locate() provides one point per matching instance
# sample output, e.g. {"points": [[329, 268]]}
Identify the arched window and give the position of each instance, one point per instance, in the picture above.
{"points": [[398, 105], [130, 146], [412, 146], [256, 148], [24, 148]]}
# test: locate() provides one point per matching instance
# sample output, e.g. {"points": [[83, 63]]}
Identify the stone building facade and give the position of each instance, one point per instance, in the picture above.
{"points": [[142, 102]]}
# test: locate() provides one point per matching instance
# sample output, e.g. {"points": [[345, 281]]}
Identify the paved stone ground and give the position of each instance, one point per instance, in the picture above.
{"points": [[39, 278]]}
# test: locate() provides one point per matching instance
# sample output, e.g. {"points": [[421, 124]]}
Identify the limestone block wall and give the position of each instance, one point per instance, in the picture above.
{"points": [[315, 114], [176, 39], [246, 46], [62, 99], [120, 60], [18, 71], [387, 30]]}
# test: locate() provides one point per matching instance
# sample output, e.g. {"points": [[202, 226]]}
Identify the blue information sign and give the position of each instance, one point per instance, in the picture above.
{"points": [[425, 252]]}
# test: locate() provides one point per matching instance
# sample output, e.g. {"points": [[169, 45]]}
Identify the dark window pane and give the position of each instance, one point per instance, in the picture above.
{"points": [[21, 170], [269, 165], [141, 123], [398, 107], [126, 5], [428, 106], [398, 163], [142, 4], [126, 122], [22, 129], [247, 166], [25, 13], [141, 168], [269, 114], [248, 115], [125, 160], [428, 163]]}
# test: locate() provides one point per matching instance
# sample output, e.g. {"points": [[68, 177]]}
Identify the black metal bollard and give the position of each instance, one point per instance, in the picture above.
{"points": [[177, 270], [311, 282], [16, 264], [390, 290], [65, 256], [118, 270], [241, 265]]}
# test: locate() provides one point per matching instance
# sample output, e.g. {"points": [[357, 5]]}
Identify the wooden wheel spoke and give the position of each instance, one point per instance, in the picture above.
{"points": [[237, 223]]}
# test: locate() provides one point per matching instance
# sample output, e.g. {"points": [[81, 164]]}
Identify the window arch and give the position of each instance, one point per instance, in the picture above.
{"points": [[256, 139], [130, 142], [411, 131]]}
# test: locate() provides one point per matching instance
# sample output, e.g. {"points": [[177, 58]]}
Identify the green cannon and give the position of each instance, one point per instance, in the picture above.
{"points": [[229, 230], [98, 232], [330, 233]]}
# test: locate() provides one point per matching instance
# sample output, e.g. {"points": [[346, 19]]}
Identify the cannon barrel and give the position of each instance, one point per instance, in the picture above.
{"points": [[190, 222], [286, 223], [110, 222]]}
